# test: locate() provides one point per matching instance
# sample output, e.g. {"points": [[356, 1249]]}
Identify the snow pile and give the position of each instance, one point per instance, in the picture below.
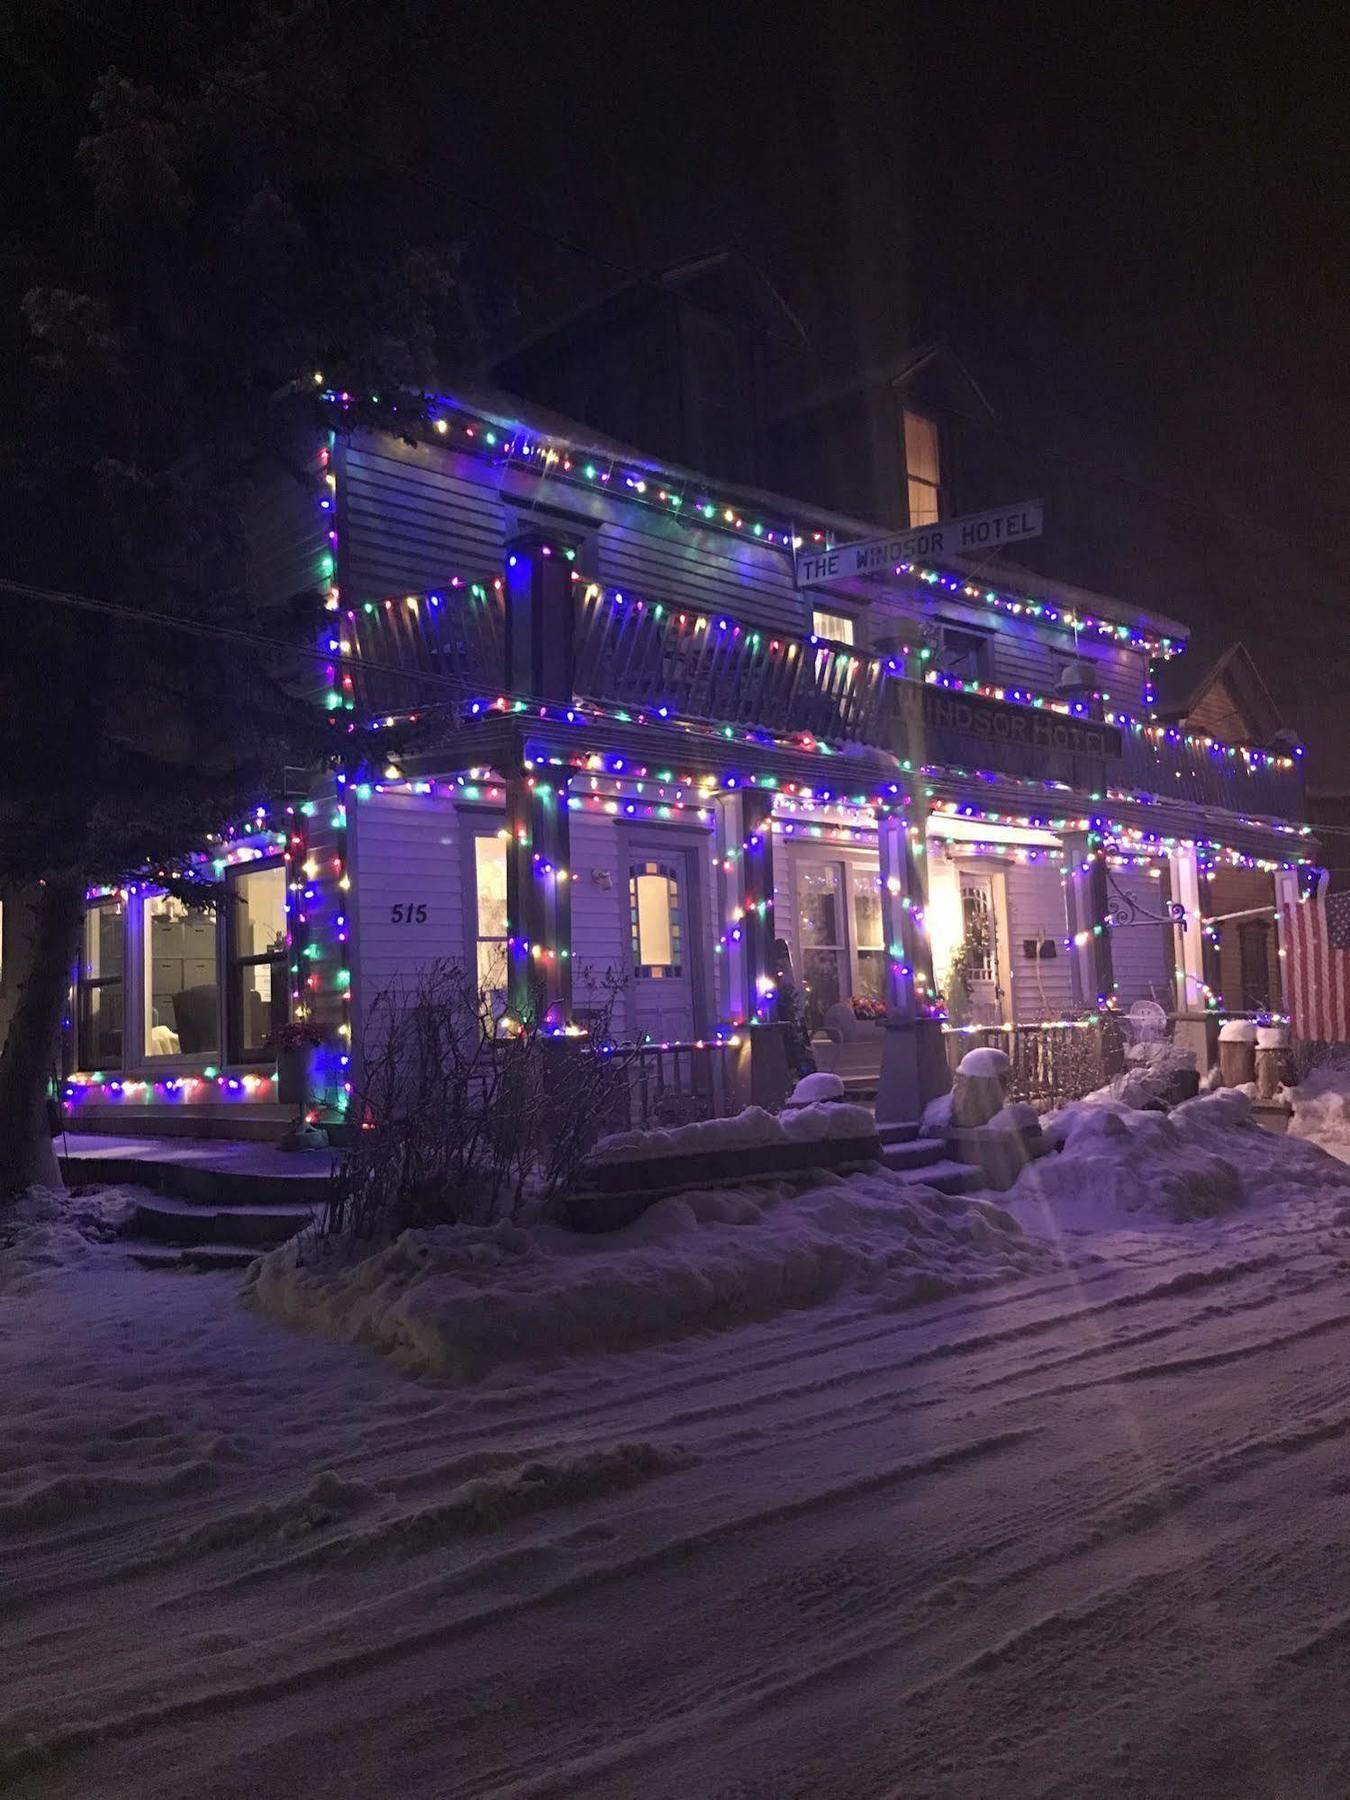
{"points": [[820, 1086], [1206, 1157], [458, 1302], [1321, 1103], [42, 1232], [752, 1129], [1158, 1075]]}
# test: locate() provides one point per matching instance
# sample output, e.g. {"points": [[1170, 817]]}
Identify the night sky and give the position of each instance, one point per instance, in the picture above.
{"points": [[1130, 223]]}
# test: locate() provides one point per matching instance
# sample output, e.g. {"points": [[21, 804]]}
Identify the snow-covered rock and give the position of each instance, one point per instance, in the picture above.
{"points": [[985, 1061]]}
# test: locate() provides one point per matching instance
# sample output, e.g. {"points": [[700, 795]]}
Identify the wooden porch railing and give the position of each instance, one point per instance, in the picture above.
{"points": [[648, 655], [456, 634], [1050, 1063]]}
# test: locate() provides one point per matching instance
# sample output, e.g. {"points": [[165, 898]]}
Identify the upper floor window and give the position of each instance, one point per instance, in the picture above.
{"points": [[965, 654], [923, 468], [837, 627]]}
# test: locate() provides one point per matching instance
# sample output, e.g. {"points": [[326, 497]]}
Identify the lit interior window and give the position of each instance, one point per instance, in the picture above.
{"points": [[923, 469], [654, 906], [838, 627]]}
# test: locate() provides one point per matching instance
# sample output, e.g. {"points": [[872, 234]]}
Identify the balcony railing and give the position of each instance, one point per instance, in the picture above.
{"points": [[422, 650], [652, 656], [1162, 762]]}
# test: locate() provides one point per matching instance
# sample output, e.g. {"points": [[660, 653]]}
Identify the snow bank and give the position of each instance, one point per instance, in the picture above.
{"points": [[458, 1302], [820, 1086], [43, 1232], [747, 1130], [1206, 1157], [1321, 1103]]}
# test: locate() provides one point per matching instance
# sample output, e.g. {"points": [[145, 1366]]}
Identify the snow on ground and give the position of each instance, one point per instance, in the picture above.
{"points": [[752, 1128], [1321, 1104], [457, 1302], [1080, 1533]]}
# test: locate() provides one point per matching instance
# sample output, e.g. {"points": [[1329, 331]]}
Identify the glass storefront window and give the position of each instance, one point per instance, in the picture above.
{"points": [[256, 930], [182, 1001], [869, 941], [100, 993], [821, 930]]}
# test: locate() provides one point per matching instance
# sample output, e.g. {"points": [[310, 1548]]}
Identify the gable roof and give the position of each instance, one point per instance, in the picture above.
{"points": [[1181, 691], [894, 373]]}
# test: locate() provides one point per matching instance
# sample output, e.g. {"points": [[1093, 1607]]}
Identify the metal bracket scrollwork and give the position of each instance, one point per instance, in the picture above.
{"points": [[1125, 909]]}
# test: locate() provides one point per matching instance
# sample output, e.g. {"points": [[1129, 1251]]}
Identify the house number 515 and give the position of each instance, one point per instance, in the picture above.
{"points": [[409, 914]]}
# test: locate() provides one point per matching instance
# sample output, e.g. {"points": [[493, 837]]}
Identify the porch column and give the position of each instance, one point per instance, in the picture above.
{"points": [[903, 854], [1286, 899], [745, 899], [1086, 903], [540, 616], [1189, 958], [538, 897], [913, 1059]]}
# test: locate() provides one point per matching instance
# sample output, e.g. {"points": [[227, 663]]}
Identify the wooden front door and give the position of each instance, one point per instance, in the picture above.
{"points": [[664, 942], [980, 910]]}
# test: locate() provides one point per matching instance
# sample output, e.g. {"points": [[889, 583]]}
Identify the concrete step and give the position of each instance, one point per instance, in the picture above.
{"points": [[196, 1259], [947, 1177], [913, 1153], [902, 1131], [165, 1220]]}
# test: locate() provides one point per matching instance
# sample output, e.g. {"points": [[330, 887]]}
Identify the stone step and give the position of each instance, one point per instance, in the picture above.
{"points": [[947, 1177], [913, 1153], [165, 1220], [900, 1131], [196, 1259]]}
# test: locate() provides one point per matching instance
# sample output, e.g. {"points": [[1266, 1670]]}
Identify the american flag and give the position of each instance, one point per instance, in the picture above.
{"points": [[1317, 966]]}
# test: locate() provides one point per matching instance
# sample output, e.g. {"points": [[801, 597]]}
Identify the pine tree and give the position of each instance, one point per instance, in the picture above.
{"points": [[220, 233]]}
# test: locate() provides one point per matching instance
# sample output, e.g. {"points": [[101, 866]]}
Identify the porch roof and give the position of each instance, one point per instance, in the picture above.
{"points": [[727, 763]]}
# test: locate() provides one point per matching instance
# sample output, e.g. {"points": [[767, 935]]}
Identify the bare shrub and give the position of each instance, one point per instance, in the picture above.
{"points": [[460, 1114]]}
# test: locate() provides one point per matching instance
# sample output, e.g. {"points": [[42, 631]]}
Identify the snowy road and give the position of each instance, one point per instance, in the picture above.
{"points": [[1082, 1535]]}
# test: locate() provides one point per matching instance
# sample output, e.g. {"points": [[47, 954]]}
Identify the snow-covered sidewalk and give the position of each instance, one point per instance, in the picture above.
{"points": [[1077, 1532]]}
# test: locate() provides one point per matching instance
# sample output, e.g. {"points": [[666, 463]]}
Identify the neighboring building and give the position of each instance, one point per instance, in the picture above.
{"points": [[649, 751]]}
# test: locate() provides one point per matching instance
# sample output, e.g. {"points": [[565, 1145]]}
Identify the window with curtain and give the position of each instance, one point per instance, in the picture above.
{"points": [[255, 929], [837, 627], [490, 918], [654, 912], [100, 999], [923, 468]]}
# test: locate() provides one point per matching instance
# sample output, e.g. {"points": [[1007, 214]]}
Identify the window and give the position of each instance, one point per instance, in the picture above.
{"points": [[654, 913], [867, 933], [965, 654], [255, 925], [923, 471], [821, 928], [489, 855], [182, 997], [99, 996], [837, 627]]}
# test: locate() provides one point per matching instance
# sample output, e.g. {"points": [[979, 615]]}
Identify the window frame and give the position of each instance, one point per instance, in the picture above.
{"points": [[476, 823], [982, 641], [235, 1052], [84, 984], [675, 969], [912, 480], [841, 618]]}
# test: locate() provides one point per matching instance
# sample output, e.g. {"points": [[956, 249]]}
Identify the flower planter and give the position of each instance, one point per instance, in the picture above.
{"points": [[295, 1068]]}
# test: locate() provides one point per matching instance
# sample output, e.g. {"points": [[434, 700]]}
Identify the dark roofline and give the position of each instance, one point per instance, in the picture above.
{"points": [[894, 373]]}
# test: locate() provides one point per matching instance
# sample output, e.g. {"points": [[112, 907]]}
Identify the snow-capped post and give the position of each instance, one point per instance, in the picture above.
{"points": [[538, 896]]}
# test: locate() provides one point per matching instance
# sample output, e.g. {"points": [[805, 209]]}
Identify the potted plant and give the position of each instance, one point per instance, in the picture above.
{"points": [[295, 1044]]}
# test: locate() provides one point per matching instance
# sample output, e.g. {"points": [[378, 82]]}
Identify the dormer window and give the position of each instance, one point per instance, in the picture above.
{"points": [[923, 468]]}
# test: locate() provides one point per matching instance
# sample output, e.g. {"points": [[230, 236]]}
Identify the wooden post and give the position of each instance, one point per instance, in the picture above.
{"points": [[540, 617], [538, 897], [903, 856], [1085, 905], [745, 896]]}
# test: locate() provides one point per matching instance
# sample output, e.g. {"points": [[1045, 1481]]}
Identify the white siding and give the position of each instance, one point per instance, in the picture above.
{"points": [[411, 516], [599, 911], [1041, 989], [404, 850], [707, 570]]}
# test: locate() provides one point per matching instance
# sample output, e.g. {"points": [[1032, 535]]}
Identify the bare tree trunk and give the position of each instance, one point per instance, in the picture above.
{"points": [[27, 1158]]}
